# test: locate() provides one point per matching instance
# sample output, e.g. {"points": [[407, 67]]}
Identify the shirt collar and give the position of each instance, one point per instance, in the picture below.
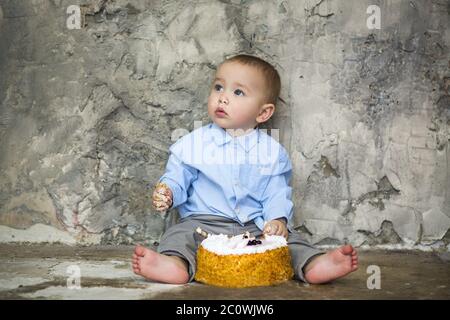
{"points": [[221, 137]]}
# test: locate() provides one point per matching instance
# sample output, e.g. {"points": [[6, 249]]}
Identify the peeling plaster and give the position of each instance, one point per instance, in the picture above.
{"points": [[87, 115]]}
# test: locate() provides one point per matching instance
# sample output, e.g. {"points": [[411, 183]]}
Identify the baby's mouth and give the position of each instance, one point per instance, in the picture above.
{"points": [[220, 111]]}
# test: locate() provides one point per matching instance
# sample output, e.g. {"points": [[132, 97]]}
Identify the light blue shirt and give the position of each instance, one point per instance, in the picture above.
{"points": [[243, 178]]}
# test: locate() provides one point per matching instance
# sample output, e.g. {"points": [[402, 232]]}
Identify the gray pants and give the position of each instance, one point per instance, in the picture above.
{"points": [[182, 241]]}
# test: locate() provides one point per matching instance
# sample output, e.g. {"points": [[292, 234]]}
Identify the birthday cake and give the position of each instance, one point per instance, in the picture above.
{"points": [[243, 261]]}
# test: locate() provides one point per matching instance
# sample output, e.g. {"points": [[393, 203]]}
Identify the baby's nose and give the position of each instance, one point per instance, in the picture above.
{"points": [[223, 99]]}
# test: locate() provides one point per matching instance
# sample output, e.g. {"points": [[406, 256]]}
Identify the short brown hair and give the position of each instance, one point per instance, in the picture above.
{"points": [[271, 76]]}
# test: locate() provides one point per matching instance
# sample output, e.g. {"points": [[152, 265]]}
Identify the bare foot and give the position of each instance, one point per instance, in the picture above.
{"points": [[332, 265], [159, 267]]}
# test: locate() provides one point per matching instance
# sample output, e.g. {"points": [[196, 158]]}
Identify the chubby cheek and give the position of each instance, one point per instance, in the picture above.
{"points": [[240, 116]]}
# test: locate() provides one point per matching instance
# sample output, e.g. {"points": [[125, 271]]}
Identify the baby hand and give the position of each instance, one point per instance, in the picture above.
{"points": [[276, 227], [162, 197]]}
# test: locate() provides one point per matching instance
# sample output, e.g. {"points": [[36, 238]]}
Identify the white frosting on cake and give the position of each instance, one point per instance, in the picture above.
{"points": [[223, 245]]}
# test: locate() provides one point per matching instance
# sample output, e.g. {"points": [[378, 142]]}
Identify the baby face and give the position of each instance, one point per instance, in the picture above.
{"points": [[237, 96]]}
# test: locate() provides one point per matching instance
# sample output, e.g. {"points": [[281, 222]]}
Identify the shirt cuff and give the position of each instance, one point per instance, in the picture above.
{"points": [[259, 221], [276, 216]]}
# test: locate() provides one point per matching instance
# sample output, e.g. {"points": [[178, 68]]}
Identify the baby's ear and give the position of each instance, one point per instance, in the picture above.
{"points": [[266, 112]]}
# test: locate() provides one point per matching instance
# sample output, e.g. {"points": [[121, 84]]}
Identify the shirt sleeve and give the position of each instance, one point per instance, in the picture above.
{"points": [[178, 176], [276, 199]]}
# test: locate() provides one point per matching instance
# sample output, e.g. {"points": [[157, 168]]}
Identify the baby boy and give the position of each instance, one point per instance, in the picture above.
{"points": [[230, 177]]}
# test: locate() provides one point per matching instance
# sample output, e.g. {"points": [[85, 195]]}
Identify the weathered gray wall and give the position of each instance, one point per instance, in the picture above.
{"points": [[86, 116]]}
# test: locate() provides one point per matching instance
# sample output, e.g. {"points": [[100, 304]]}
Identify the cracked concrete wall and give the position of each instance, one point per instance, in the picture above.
{"points": [[86, 116]]}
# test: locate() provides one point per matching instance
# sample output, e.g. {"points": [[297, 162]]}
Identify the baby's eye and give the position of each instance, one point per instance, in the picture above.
{"points": [[239, 92], [217, 87]]}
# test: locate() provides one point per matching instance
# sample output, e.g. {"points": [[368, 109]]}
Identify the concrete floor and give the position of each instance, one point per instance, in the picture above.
{"points": [[41, 272]]}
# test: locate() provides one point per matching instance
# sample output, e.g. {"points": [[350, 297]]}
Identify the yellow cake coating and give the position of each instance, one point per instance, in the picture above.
{"points": [[244, 270]]}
